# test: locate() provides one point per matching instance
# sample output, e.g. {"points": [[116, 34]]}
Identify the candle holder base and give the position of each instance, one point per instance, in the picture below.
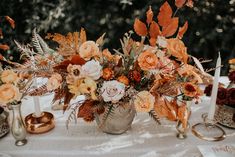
{"points": [[208, 130], [41, 124]]}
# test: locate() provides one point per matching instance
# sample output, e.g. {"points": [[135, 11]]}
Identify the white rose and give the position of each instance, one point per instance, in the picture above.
{"points": [[92, 69], [112, 91]]}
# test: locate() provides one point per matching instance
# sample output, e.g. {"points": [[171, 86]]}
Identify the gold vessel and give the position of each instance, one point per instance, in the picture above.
{"points": [[41, 124]]}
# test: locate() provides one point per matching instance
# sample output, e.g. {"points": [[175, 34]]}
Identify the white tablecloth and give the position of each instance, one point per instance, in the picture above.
{"points": [[144, 139]]}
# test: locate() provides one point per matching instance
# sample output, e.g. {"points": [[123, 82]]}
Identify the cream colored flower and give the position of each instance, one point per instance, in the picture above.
{"points": [[9, 76], [74, 70], [112, 91], [9, 93], [89, 49], [84, 86], [92, 69], [74, 73], [144, 101], [88, 86], [54, 81]]}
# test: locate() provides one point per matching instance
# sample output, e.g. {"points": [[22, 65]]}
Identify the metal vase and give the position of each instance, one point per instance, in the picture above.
{"points": [[18, 128], [120, 120]]}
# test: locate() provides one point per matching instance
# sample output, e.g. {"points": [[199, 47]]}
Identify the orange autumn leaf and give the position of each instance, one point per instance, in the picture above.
{"points": [[170, 29], [160, 107], [164, 16], [179, 3], [11, 21], [149, 15], [172, 111], [4, 47], [183, 115], [154, 30], [77, 59], [68, 44], [182, 30], [83, 35], [140, 28], [152, 41]]}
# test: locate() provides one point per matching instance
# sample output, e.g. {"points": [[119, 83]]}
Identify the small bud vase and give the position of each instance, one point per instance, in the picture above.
{"points": [[18, 128]]}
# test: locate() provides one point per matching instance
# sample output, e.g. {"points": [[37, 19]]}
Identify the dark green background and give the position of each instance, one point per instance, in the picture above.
{"points": [[211, 23]]}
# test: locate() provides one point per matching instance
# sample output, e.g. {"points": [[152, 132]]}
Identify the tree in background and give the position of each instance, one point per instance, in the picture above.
{"points": [[211, 23]]}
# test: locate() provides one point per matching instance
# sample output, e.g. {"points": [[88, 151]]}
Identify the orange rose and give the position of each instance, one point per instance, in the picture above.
{"points": [[9, 76], [177, 49], [108, 73], [9, 93], [147, 60], [89, 49]]}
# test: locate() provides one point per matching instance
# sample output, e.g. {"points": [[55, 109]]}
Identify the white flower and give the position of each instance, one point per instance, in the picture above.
{"points": [[92, 69], [112, 91], [161, 41]]}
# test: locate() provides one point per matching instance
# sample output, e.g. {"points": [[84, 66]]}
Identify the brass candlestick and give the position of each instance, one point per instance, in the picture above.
{"points": [[208, 130], [41, 124]]}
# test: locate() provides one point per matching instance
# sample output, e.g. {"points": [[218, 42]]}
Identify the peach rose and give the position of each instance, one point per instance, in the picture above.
{"points": [[9, 93], [144, 101], [9, 76], [147, 60], [88, 49], [177, 49], [54, 81]]}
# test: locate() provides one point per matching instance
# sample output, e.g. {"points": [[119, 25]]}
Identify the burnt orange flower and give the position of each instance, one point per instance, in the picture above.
{"points": [[123, 79], [108, 73], [177, 49], [147, 60], [191, 90], [134, 75]]}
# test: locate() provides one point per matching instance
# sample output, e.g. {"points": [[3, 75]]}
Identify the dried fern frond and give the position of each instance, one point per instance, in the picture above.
{"points": [[39, 44], [39, 91], [72, 116], [26, 50], [108, 113], [154, 116]]}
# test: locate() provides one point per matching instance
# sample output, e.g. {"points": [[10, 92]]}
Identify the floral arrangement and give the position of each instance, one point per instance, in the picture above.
{"points": [[152, 75]]}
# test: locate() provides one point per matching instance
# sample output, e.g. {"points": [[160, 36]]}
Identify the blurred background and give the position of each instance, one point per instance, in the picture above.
{"points": [[211, 23]]}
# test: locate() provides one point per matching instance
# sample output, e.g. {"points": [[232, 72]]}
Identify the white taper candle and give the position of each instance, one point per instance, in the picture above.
{"points": [[36, 102], [214, 89]]}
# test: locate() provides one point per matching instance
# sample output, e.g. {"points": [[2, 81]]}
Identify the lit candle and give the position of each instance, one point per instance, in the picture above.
{"points": [[36, 102], [214, 89]]}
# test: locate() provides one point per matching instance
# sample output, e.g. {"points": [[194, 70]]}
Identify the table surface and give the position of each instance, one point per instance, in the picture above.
{"points": [[144, 139]]}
